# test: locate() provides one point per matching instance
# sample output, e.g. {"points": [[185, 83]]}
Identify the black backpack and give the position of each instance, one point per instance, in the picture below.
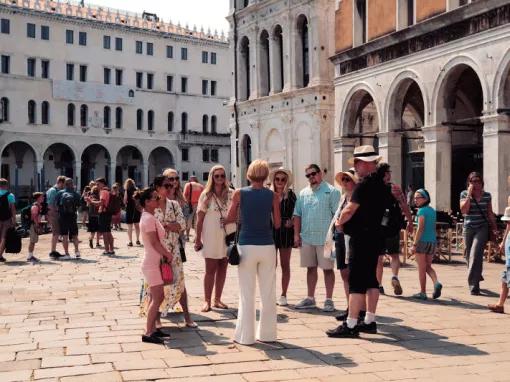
{"points": [[395, 221], [5, 208], [26, 217], [67, 203], [114, 204]]}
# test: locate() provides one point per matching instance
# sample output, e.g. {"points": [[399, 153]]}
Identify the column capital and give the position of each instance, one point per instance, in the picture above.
{"points": [[437, 133], [494, 124], [389, 139], [341, 144]]}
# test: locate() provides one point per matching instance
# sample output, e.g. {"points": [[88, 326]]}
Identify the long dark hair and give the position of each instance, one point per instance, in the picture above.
{"points": [[143, 195], [158, 181]]}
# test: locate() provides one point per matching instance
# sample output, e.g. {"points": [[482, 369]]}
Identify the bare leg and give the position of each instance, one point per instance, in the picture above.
{"points": [[157, 295], [75, 242], [430, 271], [422, 271], [329, 281], [31, 248], [221, 275], [65, 244], [311, 280], [372, 299], [395, 264], [211, 265], [130, 232], [137, 231], [184, 303], [54, 241], [357, 302], [285, 264], [503, 295]]}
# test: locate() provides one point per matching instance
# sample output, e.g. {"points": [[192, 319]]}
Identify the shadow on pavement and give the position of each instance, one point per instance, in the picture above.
{"points": [[446, 302]]}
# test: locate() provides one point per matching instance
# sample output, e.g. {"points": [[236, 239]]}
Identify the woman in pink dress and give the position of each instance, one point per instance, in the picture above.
{"points": [[152, 233]]}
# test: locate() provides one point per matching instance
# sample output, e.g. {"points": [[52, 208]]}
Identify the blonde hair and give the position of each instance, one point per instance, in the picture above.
{"points": [[286, 187], [258, 171], [178, 191], [129, 183], [209, 187]]}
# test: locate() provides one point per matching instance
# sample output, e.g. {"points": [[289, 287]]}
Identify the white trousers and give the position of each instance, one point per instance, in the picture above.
{"points": [[256, 261]]}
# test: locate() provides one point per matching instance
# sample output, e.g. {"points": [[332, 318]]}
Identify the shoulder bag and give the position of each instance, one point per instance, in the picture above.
{"points": [[229, 237], [182, 250], [165, 267], [233, 255], [491, 234]]}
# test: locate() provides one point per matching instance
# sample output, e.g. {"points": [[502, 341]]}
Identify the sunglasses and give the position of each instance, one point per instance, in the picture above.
{"points": [[156, 197], [419, 197], [173, 178], [219, 176], [346, 179], [310, 174], [279, 179]]}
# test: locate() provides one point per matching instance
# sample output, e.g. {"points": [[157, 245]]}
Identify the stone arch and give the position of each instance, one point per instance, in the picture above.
{"points": [[58, 159], [95, 163], [302, 51], [159, 159], [130, 162], [19, 167], [501, 86], [263, 66]]}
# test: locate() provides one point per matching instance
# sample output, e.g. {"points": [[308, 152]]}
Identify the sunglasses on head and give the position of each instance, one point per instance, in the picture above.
{"points": [[310, 174], [219, 176], [173, 178], [155, 197]]}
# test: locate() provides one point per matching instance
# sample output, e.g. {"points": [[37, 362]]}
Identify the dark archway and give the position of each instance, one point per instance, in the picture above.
{"points": [[362, 119], [159, 159], [129, 165], [19, 168], [58, 159], [95, 163]]}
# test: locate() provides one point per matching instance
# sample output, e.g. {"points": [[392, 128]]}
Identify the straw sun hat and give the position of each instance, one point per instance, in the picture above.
{"points": [[288, 173], [365, 153], [350, 173]]}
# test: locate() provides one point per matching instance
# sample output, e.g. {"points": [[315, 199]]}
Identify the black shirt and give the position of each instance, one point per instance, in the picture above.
{"points": [[373, 197]]}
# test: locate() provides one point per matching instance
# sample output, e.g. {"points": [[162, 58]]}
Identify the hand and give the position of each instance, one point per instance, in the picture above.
{"points": [[297, 241], [470, 190], [288, 223], [410, 227], [198, 245], [169, 257], [413, 249], [172, 227]]}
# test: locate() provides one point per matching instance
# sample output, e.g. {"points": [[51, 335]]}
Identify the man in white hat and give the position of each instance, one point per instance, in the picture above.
{"points": [[505, 279], [362, 220]]}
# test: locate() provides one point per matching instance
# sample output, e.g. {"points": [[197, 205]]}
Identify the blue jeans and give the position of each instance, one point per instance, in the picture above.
{"points": [[474, 241]]}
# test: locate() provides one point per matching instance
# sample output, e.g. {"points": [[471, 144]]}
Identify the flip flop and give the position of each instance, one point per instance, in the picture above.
{"points": [[193, 325], [220, 305]]}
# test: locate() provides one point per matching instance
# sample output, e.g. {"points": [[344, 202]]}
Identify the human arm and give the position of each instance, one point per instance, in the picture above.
{"points": [[298, 211], [179, 224], [346, 215], [465, 200], [419, 231], [201, 211], [399, 196], [277, 218], [156, 244], [125, 197], [233, 211]]}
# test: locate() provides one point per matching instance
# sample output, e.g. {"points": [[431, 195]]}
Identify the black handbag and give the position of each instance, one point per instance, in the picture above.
{"points": [[233, 252], [182, 250]]}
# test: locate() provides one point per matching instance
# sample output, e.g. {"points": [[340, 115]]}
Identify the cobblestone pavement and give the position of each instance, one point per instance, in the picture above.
{"points": [[77, 321]]}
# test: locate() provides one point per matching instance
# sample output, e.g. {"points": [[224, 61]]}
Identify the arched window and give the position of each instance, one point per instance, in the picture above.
{"points": [[139, 119], [214, 122], [45, 112], [205, 124], [277, 59], [84, 115], [31, 111], [71, 109], [264, 75], [4, 109], [244, 69], [184, 122], [106, 117], [118, 118], [302, 52], [150, 120], [170, 126]]}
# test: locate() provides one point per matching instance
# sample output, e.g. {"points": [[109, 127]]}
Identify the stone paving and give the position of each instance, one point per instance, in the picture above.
{"points": [[77, 321]]}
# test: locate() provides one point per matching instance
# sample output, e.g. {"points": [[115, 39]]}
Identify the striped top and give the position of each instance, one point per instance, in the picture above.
{"points": [[476, 217]]}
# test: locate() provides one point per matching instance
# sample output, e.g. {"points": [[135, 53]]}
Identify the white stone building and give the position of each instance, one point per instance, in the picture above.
{"points": [[89, 92], [283, 108], [429, 85]]}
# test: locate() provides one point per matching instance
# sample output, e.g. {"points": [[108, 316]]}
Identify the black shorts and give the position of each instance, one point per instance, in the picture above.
{"points": [[68, 225], [104, 223], [391, 245], [340, 250], [93, 223], [363, 261]]}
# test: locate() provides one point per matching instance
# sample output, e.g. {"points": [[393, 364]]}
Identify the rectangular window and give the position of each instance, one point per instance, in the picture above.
{"points": [[139, 47], [213, 58], [107, 40], [213, 88], [118, 77], [205, 155], [69, 36], [150, 49], [205, 57], [150, 80], [118, 43], [185, 155], [107, 74], [185, 175], [83, 73], [205, 86], [30, 30], [6, 64], [70, 72], [45, 68], [31, 67], [45, 32], [169, 83], [82, 38], [169, 51], [139, 80], [214, 155], [184, 84], [205, 176], [5, 26], [184, 53]]}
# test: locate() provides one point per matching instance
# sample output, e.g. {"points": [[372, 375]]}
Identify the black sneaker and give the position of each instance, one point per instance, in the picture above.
{"points": [[54, 255], [343, 331], [381, 289], [475, 292], [138, 242], [130, 244], [368, 328], [161, 334], [343, 316], [152, 339]]}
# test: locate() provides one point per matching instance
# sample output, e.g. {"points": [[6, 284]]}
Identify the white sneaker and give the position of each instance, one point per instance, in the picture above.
{"points": [[78, 255], [329, 305], [282, 301], [67, 256], [306, 303]]}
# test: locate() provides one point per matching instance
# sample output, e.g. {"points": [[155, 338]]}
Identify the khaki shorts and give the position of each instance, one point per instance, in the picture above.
{"points": [[34, 237], [4, 226], [313, 256], [53, 221]]}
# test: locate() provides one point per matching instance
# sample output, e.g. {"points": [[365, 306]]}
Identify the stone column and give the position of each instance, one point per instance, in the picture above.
{"points": [[343, 149], [145, 174], [390, 147], [77, 175], [438, 165], [288, 38], [496, 159], [254, 67], [39, 175], [273, 67]]}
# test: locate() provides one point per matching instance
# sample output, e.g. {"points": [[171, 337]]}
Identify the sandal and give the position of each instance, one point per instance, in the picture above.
{"points": [[192, 325], [206, 308], [220, 305], [420, 296]]}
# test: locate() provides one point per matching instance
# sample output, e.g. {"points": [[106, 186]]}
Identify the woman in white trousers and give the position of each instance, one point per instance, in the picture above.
{"points": [[255, 205]]}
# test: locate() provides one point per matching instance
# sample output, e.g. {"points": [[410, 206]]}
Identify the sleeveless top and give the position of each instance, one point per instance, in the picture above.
{"points": [[256, 208]]}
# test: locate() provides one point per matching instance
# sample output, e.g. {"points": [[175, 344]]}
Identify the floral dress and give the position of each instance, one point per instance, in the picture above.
{"points": [[172, 214]]}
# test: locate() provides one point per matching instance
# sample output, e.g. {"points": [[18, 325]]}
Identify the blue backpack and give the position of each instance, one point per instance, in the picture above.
{"points": [[67, 203]]}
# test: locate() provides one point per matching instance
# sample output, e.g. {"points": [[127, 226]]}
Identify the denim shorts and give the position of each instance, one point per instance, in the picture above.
{"points": [[426, 248], [505, 277]]}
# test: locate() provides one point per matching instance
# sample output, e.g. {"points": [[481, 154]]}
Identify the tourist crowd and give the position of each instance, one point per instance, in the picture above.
{"points": [[351, 228]]}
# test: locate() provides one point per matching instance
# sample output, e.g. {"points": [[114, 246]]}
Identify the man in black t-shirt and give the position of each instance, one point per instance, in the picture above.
{"points": [[362, 220]]}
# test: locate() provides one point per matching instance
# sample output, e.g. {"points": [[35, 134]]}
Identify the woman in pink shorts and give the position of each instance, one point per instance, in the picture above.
{"points": [[152, 233]]}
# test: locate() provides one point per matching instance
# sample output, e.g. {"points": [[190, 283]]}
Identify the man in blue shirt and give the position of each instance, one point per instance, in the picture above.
{"points": [[7, 214], [315, 207], [52, 216]]}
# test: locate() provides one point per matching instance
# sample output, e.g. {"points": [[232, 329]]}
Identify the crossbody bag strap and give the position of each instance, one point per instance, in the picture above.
{"points": [[480, 209], [219, 210]]}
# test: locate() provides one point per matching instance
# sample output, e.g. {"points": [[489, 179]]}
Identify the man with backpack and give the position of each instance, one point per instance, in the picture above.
{"points": [[7, 214], [68, 201], [395, 222], [52, 215]]}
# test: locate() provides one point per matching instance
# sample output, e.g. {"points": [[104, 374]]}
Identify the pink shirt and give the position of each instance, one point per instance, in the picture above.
{"points": [[148, 223]]}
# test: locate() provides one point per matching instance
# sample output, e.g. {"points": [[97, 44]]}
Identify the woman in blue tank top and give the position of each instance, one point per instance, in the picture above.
{"points": [[255, 205]]}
